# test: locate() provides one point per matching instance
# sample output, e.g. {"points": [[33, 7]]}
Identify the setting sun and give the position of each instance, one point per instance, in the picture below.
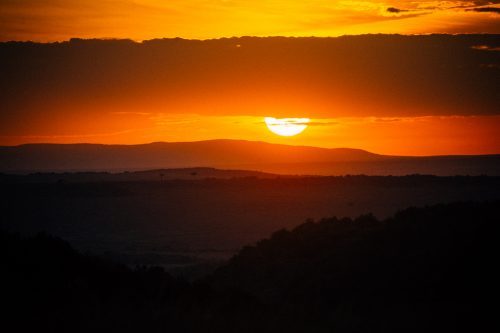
{"points": [[286, 126], [220, 159]]}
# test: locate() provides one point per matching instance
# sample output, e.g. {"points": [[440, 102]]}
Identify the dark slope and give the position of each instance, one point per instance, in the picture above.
{"points": [[233, 154], [425, 270], [48, 286]]}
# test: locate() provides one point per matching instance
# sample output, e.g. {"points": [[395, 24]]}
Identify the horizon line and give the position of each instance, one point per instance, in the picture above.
{"points": [[141, 41], [238, 140]]}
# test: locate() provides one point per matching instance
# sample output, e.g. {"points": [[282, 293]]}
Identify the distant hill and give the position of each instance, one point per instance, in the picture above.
{"points": [[134, 176], [233, 154]]}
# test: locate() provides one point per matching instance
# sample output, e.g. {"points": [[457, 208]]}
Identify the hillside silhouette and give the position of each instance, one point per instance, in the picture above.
{"points": [[234, 154], [425, 269]]}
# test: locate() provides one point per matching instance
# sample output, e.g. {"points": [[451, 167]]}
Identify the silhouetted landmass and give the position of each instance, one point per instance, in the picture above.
{"points": [[212, 153], [50, 287], [186, 224], [161, 175], [424, 270], [234, 154]]}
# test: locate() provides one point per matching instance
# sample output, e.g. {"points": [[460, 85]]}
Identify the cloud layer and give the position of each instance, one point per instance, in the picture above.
{"points": [[52, 20], [363, 75]]}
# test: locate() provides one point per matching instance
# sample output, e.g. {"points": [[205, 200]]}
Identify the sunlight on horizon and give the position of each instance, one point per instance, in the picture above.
{"points": [[286, 126]]}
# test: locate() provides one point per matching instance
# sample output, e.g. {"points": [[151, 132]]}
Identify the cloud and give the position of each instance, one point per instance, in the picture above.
{"points": [[495, 10], [486, 3], [381, 75], [399, 13], [56, 20], [490, 66], [163, 119], [396, 10], [455, 6], [323, 123], [485, 48], [131, 113], [72, 136]]}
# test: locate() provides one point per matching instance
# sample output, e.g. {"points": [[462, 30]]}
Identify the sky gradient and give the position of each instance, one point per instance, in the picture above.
{"points": [[430, 90], [415, 136], [57, 20]]}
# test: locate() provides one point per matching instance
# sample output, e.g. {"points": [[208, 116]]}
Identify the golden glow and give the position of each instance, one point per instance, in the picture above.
{"points": [[430, 135], [286, 126], [55, 20], [194, 95]]}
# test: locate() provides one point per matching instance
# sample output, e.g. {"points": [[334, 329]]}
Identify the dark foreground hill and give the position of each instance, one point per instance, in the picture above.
{"points": [[423, 270], [234, 154]]}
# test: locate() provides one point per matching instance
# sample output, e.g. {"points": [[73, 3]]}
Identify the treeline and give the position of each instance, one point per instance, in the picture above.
{"points": [[68, 184], [51, 287], [425, 269]]}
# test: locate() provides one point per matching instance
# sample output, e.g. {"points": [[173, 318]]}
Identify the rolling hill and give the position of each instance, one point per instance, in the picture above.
{"points": [[233, 154]]}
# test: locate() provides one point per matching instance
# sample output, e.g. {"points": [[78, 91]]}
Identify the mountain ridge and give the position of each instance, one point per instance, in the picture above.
{"points": [[234, 154]]}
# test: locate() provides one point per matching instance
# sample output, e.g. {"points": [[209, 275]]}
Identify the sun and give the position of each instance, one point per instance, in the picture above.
{"points": [[286, 126]]}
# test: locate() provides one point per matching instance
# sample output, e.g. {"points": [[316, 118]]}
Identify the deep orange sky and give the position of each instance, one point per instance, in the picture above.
{"points": [[52, 20], [428, 135], [387, 95]]}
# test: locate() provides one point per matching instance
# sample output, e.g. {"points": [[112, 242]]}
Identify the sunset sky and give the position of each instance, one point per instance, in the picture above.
{"points": [[55, 20], [390, 96]]}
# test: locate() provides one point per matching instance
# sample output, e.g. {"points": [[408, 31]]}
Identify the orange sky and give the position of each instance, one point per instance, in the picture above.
{"points": [[388, 95], [428, 135], [53, 20]]}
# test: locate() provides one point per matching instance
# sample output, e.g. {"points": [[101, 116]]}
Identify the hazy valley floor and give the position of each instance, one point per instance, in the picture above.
{"points": [[185, 223]]}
